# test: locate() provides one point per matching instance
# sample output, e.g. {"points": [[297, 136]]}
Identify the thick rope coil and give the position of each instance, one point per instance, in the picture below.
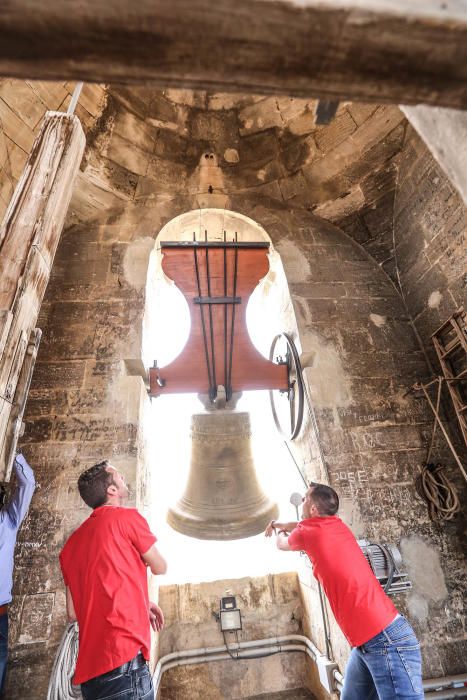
{"points": [[438, 492], [432, 484], [60, 685]]}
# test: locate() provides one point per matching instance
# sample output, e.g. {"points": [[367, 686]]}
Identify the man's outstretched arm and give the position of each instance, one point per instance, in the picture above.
{"points": [[275, 526]]}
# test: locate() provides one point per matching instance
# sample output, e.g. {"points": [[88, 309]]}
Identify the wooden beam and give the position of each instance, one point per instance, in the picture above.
{"points": [[29, 235], [390, 51]]}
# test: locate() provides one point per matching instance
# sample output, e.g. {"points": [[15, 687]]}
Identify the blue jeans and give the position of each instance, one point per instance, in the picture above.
{"points": [[130, 685], [388, 666], [3, 649]]}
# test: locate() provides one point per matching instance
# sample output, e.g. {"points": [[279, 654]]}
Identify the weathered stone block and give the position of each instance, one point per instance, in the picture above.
{"points": [[36, 618]]}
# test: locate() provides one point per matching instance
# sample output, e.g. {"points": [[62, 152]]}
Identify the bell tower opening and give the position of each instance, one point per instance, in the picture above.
{"points": [[190, 445]]}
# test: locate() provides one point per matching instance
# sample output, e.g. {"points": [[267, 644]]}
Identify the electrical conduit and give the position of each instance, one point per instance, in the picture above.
{"points": [[439, 688]]}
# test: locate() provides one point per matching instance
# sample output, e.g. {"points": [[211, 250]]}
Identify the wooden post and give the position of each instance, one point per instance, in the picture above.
{"points": [[29, 237]]}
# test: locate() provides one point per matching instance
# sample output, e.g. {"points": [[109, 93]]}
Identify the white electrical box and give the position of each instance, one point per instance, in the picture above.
{"points": [[326, 670]]}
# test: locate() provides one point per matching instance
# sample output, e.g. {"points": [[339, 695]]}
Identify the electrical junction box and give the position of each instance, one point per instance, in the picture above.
{"points": [[326, 670]]}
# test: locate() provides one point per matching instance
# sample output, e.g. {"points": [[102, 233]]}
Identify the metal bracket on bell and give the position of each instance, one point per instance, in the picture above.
{"points": [[159, 380]]}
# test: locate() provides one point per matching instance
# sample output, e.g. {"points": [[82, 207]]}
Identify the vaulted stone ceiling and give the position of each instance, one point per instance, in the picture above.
{"points": [[147, 145]]}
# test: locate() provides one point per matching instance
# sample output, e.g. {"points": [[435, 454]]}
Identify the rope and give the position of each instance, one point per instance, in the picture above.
{"points": [[432, 484], [325, 470], [60, 685], [440, 495], [435, 422], [422, 387]]}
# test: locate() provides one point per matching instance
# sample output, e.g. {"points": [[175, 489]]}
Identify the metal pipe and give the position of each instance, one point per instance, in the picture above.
{"points": [[249, 649], [447, 694], [256, 648], [433, 683], [74, 98], [246, 654], [338, 676], [441, 687], [242, 645]]}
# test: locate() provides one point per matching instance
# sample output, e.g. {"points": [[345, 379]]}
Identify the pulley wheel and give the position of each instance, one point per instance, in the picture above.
{"points": [[287, 406]]}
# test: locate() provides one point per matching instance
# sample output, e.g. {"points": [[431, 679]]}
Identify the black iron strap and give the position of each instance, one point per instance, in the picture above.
{"points": [[217, 300], [212, 387], [213, 244], [213, 355]]}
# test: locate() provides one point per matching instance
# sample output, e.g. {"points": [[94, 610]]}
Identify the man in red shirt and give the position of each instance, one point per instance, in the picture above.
{"points": [[104, 568], [385, 661]]}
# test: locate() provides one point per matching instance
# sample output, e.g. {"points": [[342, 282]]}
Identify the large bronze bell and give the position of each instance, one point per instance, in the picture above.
{"points": [[222, 499]]}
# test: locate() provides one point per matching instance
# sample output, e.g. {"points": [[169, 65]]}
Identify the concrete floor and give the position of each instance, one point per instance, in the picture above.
{"points": [[296, 694]]}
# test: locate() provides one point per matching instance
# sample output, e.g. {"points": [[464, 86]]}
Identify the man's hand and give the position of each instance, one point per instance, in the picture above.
{"points": [[70, 608], [275, 527], [271, 529], [156, 617]]}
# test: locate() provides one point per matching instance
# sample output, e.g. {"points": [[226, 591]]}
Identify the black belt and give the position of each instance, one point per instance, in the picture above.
{"points": [[131, 665]]}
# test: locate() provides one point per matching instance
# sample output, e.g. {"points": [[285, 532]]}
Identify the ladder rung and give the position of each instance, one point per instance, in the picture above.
{"points": [[462, 409], [462, 376], [452, 346], [457, 314]]}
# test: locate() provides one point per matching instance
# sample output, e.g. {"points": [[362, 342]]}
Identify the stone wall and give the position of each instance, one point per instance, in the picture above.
{"points": [[270, 607], [430, 234], [364, 356], [146, 163]]}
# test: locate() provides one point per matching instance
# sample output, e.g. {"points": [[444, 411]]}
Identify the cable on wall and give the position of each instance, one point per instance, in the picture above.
{"points": [[60, 684]]}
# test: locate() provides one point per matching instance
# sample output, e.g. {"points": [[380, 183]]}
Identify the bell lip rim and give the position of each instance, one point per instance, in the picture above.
{"points": [[213, 531]]}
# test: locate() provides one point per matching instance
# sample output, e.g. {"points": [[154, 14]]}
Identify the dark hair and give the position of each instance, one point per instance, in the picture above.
{"points": [[325, 499], [93, 484]]}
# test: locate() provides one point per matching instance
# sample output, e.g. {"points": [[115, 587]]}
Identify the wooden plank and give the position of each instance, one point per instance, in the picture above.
{"points": [[22, 99], [5, 415], [40, 202], [17, 158], [51, 94], [13, 428], [15, 128], [24, 316], [29, 237], [5, 322], [370, 50]]}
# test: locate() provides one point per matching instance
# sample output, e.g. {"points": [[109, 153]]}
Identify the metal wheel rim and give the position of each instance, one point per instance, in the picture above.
{"points": [[299, 389]]}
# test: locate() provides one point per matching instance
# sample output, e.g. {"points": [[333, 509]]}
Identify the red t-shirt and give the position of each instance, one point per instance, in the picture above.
{"points": [[361, 607], [102, 566]]}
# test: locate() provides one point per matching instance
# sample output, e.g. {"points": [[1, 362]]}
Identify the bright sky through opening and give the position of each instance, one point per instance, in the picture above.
{"points": [[167, 431], [193, 560]]}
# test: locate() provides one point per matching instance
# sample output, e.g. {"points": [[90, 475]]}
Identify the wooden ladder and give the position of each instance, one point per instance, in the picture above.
{"points": [[450, 341]]}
